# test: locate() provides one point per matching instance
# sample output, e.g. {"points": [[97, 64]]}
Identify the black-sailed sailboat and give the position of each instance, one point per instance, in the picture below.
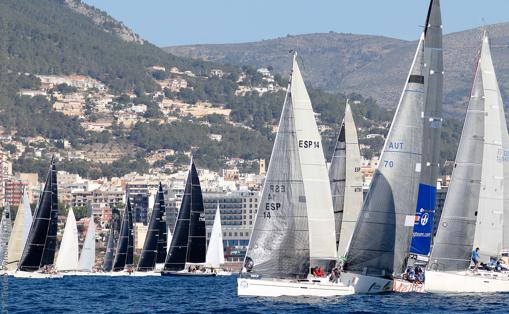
{"points": [[124, 255], [154, 248], [110, 250], [39, 252], [186, 256]]}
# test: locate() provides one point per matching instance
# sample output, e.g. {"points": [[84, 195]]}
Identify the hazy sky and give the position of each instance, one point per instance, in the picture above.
{"points": [[180, 22]]}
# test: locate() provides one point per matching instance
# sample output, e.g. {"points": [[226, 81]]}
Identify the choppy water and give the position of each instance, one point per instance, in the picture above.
{"points": [[212, 295]]}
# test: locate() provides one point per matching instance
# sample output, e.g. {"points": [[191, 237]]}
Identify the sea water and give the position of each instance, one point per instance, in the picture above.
{"points": [[213, 295]]}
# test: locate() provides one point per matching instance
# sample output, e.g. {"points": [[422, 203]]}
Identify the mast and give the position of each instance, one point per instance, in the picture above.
{"points": [[40, 247], [125, 250], [19, 233], [215, 251], [152, 246], [87, 258], [454, 241], [432, 124], [5, 232], [381, 240], [67, 259]]}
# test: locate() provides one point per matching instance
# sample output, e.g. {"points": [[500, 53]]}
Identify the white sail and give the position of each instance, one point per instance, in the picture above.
{"points": [[19, 233], [353, 184], [215, 251], [87, 258], [322, 244], [5, 233], [489, 228], [169, 236], [67, 259]]}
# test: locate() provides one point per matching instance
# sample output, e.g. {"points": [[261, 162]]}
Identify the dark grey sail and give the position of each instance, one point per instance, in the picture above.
{"points": [[188, 244], [40, 247], [110, 250], [124, 254], [155, 240], [337, 177], [452, 245]]}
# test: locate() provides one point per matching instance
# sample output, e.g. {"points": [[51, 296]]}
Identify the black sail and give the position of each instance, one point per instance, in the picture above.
{"points": [[154, 248], [108, 258], [188, 243], [40, 247], [125, 250]]}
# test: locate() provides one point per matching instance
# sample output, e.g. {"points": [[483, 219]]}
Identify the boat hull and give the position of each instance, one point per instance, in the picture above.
{"points": [[36, 275], [280, 287], [466, 282], [403, 286], [186, 273], [366, 284], [223, 273]]}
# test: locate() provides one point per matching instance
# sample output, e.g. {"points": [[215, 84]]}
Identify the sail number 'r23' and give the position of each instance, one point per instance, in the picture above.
{"points": [[272, 206]]}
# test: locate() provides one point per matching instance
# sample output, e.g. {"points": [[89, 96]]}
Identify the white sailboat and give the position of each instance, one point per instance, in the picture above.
{"points": [[346, 182], [87, 258], [5, 233], [19, 234], [475, 207], [67, 259], [215, 251], [294, 228]]}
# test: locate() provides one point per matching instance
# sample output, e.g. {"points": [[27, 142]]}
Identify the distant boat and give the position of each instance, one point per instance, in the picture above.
{"points": [[381, 241], [215, 250], [110, 249], [294, 228], [188, 244], [67, 259], [476, 210], [5, 233], [19, 234], [346, 182], [87, 258], [123, 262], [39, 252], [154, 248]]}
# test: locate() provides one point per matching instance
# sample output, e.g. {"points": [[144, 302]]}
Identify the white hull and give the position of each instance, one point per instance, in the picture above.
{"points": [[466, 282], [36, 275], [186, 273], [278, 288], [122, 273], [146, 273], [82, 273], [7, 272], [223, 273], [366, 284], [403, 286]]}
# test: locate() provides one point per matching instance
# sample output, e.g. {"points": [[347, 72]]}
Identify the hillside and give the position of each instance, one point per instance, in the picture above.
{"points": [[373, 66]]}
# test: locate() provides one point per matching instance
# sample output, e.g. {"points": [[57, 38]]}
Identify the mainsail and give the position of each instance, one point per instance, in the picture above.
{"points": [[346, 182], [67, 259], [19, 233], [87, 257], [41, 243], [188, 244], [381, 240], [454, 241], [110, 250], [5, 233], [295, 220], [154, 248], [124, 254], [215, 250], [432, 123]]}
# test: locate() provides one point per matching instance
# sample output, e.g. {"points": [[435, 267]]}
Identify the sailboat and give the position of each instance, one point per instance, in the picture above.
{"points": [[123, 263], [475, 208], [110, 250], [346, 182], [67, 259], [39, 252], [294, 228], [153, 253], [380, 245], [186, 255], [5, 233], [215, 250], [87, 258], [19, 234]]}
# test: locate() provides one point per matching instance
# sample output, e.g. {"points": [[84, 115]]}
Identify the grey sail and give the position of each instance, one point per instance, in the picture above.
{"points": [[279, 245], [5, 233], [453, 243], [381, 239], [337, 177]]}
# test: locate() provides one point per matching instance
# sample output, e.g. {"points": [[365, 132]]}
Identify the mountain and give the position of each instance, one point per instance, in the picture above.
{"points": [[372, 66]]}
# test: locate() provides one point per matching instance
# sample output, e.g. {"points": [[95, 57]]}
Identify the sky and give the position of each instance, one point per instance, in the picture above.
{"points": [[184, 22]]}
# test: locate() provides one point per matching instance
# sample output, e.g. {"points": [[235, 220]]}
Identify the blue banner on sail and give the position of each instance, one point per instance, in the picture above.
{"points": [[423, 227]]}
